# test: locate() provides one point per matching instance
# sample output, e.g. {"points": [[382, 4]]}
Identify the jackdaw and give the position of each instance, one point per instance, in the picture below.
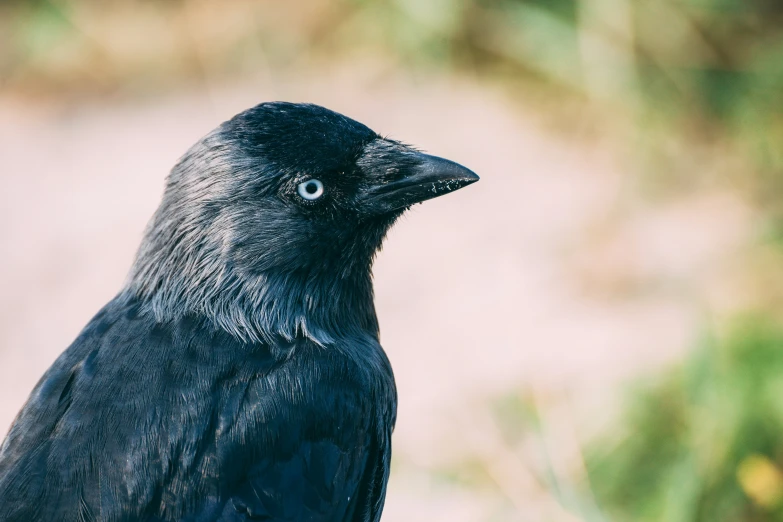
{"points": [[238, 374]]}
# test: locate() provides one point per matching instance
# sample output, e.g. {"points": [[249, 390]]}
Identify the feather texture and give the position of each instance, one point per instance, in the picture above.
{"points": [[138, 421]]}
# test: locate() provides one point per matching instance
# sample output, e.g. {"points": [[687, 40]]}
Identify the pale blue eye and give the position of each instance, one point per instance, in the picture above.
{"points": [[311, 189]]}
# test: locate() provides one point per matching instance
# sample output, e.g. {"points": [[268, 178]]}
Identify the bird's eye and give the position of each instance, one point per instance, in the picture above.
{"points": [[311, 189]]}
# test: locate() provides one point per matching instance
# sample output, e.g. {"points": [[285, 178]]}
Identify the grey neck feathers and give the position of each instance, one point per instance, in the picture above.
{"points": [[263, 310]]}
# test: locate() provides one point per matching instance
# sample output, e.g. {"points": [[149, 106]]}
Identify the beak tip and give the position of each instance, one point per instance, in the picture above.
{"points": [[465, 177], [449, 170]]}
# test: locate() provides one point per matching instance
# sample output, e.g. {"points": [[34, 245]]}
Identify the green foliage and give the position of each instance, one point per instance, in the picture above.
{"points": [[704, 444]]}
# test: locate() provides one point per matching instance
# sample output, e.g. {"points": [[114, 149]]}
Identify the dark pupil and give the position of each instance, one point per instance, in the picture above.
{"points": [[311, 188]]}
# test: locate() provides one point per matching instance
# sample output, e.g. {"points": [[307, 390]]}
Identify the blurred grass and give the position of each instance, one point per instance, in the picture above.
{"points": [[704, 444], [700, 442]]}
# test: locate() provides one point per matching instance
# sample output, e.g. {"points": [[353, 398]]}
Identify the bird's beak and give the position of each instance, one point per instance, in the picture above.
{"points": [[423, 177]]}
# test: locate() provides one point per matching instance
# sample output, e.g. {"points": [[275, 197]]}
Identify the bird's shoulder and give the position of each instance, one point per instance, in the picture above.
{"points": [[329, 447], [142, 418]]}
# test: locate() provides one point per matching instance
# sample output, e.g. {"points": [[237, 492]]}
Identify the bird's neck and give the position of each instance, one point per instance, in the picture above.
{"points": [[321, 304]]}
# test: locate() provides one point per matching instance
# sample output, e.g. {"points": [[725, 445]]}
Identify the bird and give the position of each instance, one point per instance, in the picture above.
{"points": [[238, 373]]}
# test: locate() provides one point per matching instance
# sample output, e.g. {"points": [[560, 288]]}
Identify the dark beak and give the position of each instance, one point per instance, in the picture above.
{"points": [[424, 178]]}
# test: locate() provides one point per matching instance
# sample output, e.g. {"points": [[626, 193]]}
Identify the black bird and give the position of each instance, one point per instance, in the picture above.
{"points": [[238, 375]]}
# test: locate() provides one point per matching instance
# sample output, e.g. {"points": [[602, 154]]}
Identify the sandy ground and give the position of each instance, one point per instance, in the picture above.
{"points": [[501, 285]]}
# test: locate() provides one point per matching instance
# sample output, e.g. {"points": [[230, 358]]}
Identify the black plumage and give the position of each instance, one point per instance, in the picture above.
{"points": [[238, 375]]}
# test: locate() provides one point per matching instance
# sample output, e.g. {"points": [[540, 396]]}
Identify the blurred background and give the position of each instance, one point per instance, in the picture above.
{"points": [[591, 333]]}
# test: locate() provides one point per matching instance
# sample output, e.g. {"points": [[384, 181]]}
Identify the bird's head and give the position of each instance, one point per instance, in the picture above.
{"points": [[268, 226]]}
